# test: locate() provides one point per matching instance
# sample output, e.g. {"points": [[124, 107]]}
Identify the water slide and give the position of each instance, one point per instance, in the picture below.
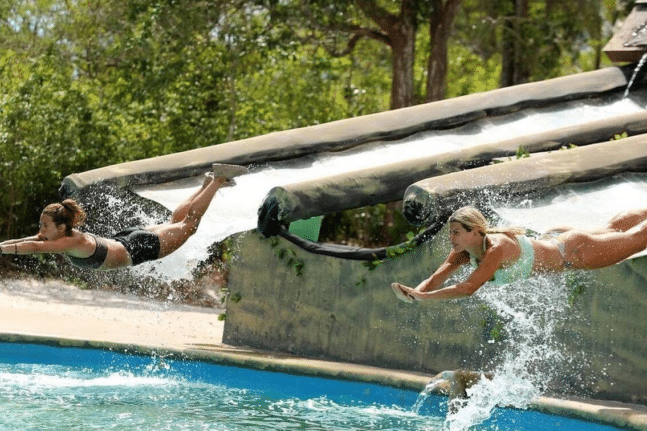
{"points": [[411, 154]]}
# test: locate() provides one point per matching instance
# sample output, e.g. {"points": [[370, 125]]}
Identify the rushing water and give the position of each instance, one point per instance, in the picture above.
{"points": [[234, 209], [530, 357], [45, 388], [584, 206]]}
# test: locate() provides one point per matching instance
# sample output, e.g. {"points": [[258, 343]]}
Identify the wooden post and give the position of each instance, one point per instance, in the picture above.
{"points": [[615, 49]]}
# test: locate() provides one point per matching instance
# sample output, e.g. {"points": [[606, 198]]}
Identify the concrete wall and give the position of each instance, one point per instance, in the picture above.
{"points": [[610, 328], [340, 310]]}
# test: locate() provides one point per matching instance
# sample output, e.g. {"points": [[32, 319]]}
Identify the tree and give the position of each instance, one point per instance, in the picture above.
{"points": [[108, 82], [440, 24], [393, 23], [536, 39], [47, 130], [514, 62]]}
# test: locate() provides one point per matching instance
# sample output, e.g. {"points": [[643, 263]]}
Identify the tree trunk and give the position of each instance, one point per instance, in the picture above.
{"points": [[403, 47], [440, 24], [507, 55], [514, 69], [403, 51]]}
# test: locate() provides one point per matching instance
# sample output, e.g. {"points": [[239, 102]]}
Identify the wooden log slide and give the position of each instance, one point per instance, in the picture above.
{"points": [[388, 182], [425, 200]]}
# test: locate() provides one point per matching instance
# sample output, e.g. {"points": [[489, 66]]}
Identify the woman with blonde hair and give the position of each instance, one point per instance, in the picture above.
{"points": [[58, 231], [504, 255]]}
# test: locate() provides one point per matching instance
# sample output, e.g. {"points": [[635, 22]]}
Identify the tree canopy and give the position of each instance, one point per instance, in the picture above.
{"points": [[88, 83]]}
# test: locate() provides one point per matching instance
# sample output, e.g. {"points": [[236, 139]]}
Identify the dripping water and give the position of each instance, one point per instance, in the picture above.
{"points": [[639, 66]]}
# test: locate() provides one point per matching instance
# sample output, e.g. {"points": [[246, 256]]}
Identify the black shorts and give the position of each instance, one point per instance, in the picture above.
{"points": [[142, 245]]}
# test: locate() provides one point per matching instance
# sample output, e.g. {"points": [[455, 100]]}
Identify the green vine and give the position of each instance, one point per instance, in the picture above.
{"points": [[289, 256], [577, 284], [402, 249], [392, 253], [361, 282], [522, 153], [493, 325]]}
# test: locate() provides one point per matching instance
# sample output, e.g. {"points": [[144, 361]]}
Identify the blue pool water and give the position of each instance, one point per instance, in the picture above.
{"points": [[52, 388]]}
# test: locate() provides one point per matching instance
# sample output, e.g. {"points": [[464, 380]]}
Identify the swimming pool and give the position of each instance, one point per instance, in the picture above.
{"points": [[53, 388]]}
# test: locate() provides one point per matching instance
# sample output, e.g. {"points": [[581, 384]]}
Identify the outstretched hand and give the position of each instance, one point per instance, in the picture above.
{"points": [[402, 292]]}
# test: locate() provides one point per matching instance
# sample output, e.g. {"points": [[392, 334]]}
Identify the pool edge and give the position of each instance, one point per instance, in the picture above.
{"points": [[623, 415]]}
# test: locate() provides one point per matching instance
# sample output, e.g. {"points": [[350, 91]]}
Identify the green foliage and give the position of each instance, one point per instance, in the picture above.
{"points": [[112, 82], [577, 283], [619, 136], [375, 226], [493, 325], [569, 147], [372, 265], [468, 73], [552, 39], [402, 248], [393, 252], [272, 98], [289, 256], [361, 282], [47, 129], [522, 153], [89, 84]]}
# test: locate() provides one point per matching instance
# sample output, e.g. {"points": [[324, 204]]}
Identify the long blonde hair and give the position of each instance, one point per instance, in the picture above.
{"points": [[471, 218]]}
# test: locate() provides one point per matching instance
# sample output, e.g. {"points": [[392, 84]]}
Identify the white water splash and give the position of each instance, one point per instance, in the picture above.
{"points": [[234, 209], [531, 356], [431, 388], [38, 380]]}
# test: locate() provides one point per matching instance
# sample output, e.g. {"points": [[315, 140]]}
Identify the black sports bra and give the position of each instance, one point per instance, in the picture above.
{"points": [[96, 259]]}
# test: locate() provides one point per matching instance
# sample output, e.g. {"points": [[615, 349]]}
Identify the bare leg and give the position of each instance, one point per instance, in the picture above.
{"points": [[182, 210], [619, 223], [626, 220], [591, 251], [186, 218]]}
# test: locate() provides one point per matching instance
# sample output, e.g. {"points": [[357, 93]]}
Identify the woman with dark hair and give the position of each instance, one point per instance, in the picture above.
{"points": [[58, 231], [504, 255]]}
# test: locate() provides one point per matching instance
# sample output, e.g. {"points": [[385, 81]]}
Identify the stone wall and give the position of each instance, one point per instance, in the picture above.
{"points": [[340, 310]]}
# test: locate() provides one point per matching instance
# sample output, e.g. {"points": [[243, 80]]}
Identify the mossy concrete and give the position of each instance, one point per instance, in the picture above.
{"points": [[340, 310], [609, 327]]}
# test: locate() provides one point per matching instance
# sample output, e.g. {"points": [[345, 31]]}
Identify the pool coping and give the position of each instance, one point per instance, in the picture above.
{"points": [[623, 415]]}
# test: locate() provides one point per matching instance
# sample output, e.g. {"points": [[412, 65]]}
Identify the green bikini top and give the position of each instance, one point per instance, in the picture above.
{"points": [[519, 270]]}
